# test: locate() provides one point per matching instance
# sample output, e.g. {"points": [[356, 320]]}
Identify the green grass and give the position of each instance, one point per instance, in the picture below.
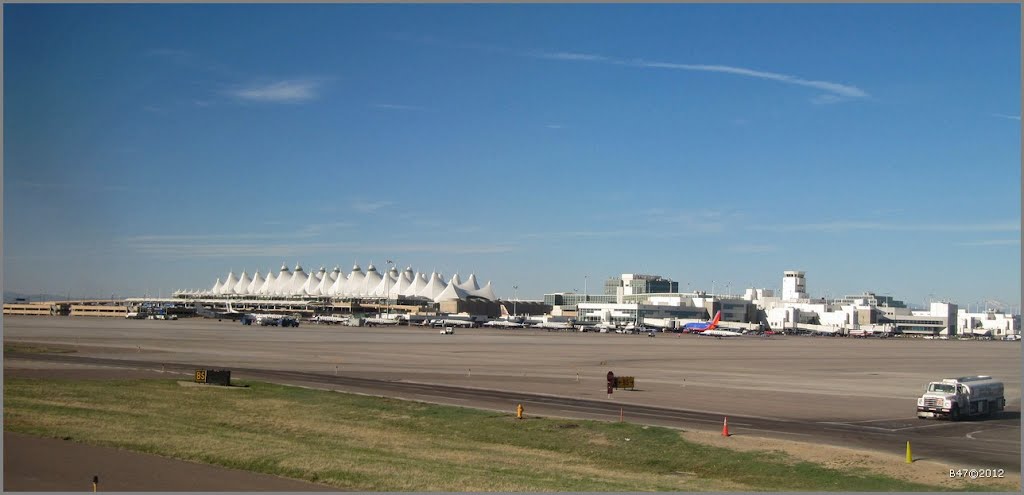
{"points": [[364, 443]]}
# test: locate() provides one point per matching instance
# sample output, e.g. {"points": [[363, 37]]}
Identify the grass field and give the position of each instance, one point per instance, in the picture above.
{"points": [[365, 443]]}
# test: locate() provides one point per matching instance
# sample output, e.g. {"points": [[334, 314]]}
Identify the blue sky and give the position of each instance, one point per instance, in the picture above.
{"points": [[876, 147]]}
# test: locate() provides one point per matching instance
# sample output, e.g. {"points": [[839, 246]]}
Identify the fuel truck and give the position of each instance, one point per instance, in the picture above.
{"points": [[955, 398]]}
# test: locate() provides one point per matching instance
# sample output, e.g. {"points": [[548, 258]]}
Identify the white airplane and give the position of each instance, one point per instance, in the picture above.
{"points": [[720, 333], [555, 325], [504, 324], [330, 319], [452, 322], [382, 320]]}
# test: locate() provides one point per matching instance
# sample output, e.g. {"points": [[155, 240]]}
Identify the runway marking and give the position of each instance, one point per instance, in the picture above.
{"points": [[971, 436], [920, 426]]}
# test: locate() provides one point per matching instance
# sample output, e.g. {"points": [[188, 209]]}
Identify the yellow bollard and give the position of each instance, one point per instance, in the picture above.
{"points": [[910, 458], [519, 411]]}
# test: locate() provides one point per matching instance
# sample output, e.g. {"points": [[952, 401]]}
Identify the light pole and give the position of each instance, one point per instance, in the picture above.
{"points": [[585, 297], [515, 288]]}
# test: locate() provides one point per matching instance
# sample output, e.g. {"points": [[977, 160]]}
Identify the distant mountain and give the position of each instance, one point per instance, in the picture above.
{"points": [[10, 297]]}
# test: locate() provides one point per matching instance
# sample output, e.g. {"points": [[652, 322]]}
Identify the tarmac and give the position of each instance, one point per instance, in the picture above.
{"points": [[871, 384]]}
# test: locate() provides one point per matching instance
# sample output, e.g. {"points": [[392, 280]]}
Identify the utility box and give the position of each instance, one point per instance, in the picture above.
{"points": [[214, 377]]}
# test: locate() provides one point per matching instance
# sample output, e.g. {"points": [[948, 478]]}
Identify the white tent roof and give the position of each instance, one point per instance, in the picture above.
{"points": [[370, 282], [324, 285], [470, 284], [387, 284], [242, 287], [434, 287], [487, 292], [229, 284], [256, 284], [284, 278], [405, 280], [216, 287], [309, 288], [299, 278], [451, 292], [334, 274], [338, 287], [355, 281], [268, 284], [418, 283]]}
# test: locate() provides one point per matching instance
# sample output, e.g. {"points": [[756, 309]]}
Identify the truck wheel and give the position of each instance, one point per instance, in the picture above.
{"points": [[954, 414]]}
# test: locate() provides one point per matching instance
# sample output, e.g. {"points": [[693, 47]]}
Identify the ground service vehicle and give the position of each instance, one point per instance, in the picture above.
{"points": [[955, 398]]}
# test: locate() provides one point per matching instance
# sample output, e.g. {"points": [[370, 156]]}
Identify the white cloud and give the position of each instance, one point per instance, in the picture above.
{"points": [[391, 106], [847, 225], [289, 91], [370, 206], [834, 92], [1012, 117], [572, 56], [752, 248], [70, 186], [991, 242], [554, 126], [237, 250]]}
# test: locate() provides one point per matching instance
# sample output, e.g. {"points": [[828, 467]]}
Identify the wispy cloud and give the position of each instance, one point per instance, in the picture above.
{"points": [[554, 126], [67, 186], [834, 92], [392, 106], [572, 56], [991, 242], [1004, 116], [752, 248], [367, 206], [847, 225], [184, 250], [690, 220], [288, 91]]}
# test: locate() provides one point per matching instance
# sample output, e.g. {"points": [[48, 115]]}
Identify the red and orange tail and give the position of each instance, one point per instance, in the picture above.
{"points": [[714, 323]]}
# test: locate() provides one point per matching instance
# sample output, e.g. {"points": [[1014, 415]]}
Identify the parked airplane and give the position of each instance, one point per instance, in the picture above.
{"points": [[720, 333], [504, 324], [452, 322], [703, 327], [230, 313], [330, 319], [382, 320], [555, 325]]}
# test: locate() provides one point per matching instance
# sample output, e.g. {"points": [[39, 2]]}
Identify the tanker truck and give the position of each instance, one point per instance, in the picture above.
{"points": [[955, 398]]}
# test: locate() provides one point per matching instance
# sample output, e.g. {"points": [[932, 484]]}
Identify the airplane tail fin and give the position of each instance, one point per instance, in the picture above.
{"points": [[504, 311], [714, 323]]}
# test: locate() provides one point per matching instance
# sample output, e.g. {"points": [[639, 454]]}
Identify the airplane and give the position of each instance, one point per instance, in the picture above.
{"points": [[702, 327], [504, 324], [229, 313], [329, 319], [720, 333], [382, 320], [452, 322], [555, 325]]}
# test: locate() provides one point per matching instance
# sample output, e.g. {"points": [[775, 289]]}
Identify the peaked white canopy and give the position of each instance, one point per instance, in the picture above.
{"points": [[242, 287], [256, 284], [470, 284], [451, 292], [268, 284], [229, 284], [354, 282], [487, 292], [434, 287]]}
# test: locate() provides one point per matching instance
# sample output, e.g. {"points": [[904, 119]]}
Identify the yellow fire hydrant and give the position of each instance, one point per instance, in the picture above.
{"points": [[519, 411]]}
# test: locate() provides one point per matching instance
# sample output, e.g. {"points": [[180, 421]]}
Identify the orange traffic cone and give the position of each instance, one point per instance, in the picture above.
{"points": [[725, 427]]}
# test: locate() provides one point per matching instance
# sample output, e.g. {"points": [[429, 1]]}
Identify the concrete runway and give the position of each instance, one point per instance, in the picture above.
{"points": [[847, 385]]}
